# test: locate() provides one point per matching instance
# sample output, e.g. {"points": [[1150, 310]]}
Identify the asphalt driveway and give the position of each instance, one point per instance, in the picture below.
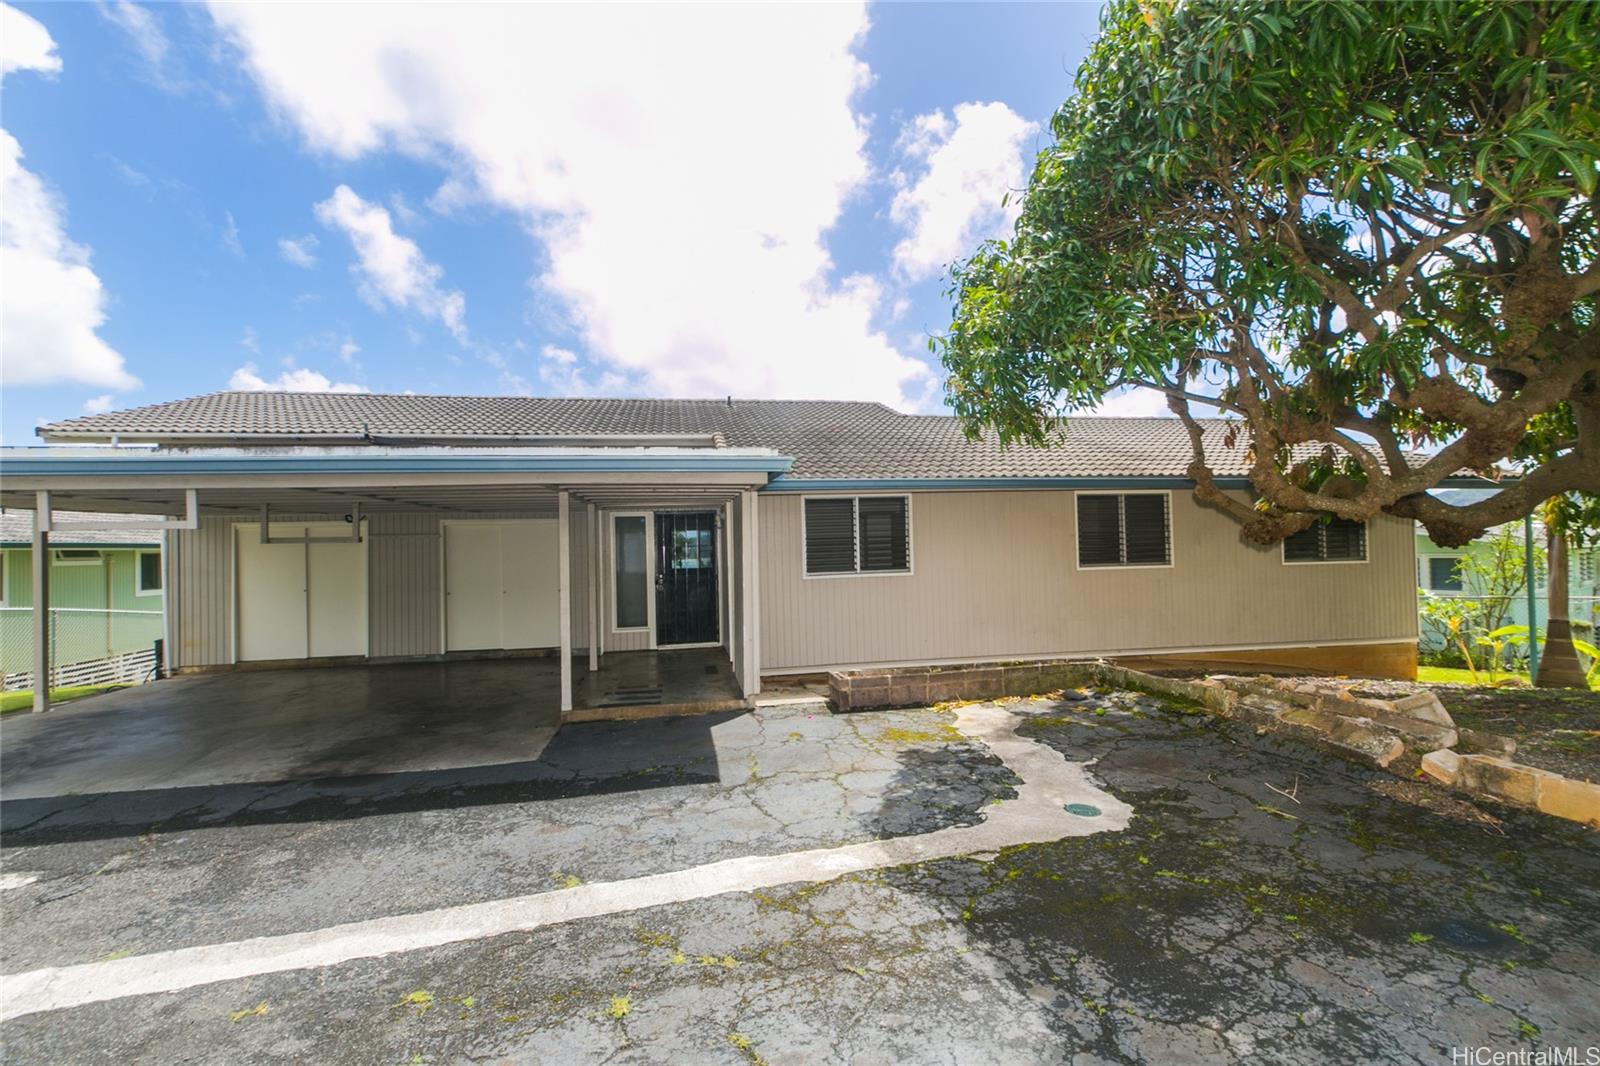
{"points": [[1226, 922]]}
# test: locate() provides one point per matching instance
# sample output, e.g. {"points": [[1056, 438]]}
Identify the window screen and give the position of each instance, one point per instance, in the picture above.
{"points": [[1337, 540], [1124, 529], [149, 572], [882, 524], [858, 535], [1442, 573], [831, 536]]}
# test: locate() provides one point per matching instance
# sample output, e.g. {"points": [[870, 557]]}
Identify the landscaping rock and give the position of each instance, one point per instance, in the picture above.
{"points": [[1501, 779], [1443, 766], [1423, 705], [1480, 741], [1566, 798]]}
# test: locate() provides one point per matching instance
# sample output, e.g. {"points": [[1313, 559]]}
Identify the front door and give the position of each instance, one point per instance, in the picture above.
{"points": [[686, 577]]}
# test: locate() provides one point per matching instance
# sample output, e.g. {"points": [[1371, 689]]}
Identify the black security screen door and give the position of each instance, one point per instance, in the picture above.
{"points": [[686, 577]]}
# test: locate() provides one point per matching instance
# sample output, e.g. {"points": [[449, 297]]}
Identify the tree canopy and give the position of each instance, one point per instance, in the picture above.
{"points": [[1366, 232]]}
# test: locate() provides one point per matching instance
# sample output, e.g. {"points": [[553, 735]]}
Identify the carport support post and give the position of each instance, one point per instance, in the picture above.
{"points": [[564, 584], [750, 581], [41, 602], [593, 556]]}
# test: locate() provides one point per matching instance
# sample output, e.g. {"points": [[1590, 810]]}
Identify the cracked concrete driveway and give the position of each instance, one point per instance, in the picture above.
{"points": [[1223, 922]]}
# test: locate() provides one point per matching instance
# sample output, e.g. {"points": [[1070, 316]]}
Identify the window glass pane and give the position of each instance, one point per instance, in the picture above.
{"points": [[830, 536], [1146, 540], [149, 572], [1442, 573], [1099, 530], [687, 550], [633, 609], [884, 541]]}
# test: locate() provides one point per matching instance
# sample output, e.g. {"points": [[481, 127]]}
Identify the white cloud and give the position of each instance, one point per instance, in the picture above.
{"points": [[295, 379], [25, 44], [681, 180], [965, 166], [299, 250], [141, 27], [51, 303], [348, 350], [561, 374], [98, 405], [230, 236], [1135, 403], [390, 268]]}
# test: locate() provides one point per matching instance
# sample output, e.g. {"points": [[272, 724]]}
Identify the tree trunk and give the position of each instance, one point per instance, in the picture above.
{"points": [[1558, 666]]}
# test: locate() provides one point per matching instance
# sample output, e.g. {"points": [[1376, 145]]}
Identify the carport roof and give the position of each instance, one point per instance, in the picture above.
{"points": [[313, 479]]}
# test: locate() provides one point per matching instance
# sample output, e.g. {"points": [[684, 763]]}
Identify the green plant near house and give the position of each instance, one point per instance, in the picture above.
{"points": [[1589, 654]]}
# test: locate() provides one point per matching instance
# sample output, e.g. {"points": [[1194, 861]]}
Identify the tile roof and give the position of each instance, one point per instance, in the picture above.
{"points": [[16, 529], [828, 439]]}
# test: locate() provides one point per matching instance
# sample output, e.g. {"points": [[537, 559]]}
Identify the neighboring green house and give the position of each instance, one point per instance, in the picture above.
{"points": [[1439, 573], [105, 598]]}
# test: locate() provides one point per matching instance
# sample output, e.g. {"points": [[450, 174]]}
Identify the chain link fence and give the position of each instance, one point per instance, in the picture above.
{"points": [[88, 646], [1485, 613]]}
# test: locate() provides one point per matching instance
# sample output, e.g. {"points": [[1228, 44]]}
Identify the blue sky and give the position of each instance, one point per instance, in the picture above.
{"points": [[480, 199]]}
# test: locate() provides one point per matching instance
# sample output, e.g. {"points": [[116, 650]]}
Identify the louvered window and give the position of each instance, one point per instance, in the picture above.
{"points": [[857, 535], [1337, 540], [1124, 529]]}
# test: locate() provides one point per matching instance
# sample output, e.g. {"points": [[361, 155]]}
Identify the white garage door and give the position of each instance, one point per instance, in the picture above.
{"points": [[500, 585], [298, 601]]}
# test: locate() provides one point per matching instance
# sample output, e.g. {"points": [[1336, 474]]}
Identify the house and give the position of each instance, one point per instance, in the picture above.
{"points": [[775, 539], [105, 594], [1440, 573]]}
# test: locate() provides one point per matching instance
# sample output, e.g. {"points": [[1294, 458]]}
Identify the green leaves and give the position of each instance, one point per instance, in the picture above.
{"points": [[1245, 177]]}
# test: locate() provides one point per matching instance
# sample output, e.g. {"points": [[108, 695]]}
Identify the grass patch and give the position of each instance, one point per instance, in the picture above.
{"points": [[23, 700], [1452, 675]]}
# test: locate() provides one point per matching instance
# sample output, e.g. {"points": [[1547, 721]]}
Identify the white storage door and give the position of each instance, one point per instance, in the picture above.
{"points": [[529, 568], [300, 600], [337, 588], [471, 586], [500, 585], [272, 597]]}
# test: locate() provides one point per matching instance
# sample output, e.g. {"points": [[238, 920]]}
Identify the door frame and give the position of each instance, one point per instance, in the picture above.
{"points": [[719, 531]]}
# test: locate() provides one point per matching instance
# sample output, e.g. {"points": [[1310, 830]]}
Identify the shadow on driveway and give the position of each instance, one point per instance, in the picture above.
{"points": [[580, 760]]}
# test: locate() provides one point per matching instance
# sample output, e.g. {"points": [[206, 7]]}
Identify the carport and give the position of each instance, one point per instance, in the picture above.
{"points": [[618, 555]]}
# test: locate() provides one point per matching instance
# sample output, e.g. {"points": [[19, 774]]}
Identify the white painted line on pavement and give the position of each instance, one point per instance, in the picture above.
{"points": [[1035, 816]]}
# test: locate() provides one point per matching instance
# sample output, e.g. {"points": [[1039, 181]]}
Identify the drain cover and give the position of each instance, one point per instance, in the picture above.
{"points": [[1082, 810]]}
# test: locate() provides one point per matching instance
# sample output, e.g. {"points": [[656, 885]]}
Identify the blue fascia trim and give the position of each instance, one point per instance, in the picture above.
{"points": [[935, 483], [89, 466]]}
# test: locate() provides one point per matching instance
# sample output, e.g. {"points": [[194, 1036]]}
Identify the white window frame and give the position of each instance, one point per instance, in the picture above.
{"points": [[649, 572], [57, 560], [1425, 563], [1366, 552], [1172, 541], [138, 573], [855, 528]]}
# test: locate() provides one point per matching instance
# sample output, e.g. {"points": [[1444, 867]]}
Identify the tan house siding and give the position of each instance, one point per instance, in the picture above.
{"points": [[403, 579], [994, 575]]}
